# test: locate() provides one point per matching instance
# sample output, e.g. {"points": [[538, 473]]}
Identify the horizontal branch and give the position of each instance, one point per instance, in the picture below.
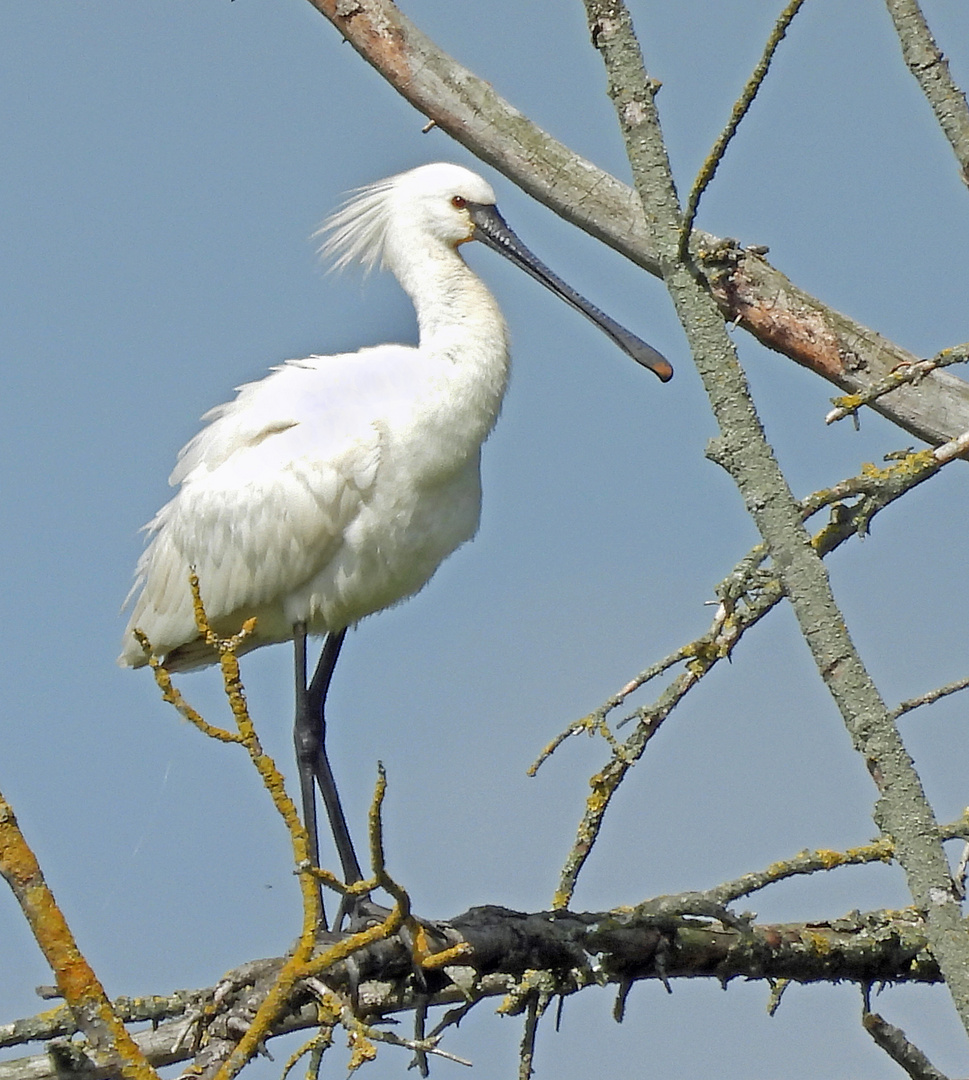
{"points": [[747, 288], [572, 951]]}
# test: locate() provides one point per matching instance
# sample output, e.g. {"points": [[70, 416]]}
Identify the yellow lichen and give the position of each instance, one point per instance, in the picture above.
{"points": [[818, 942], [849, 402], [362, 1050]]}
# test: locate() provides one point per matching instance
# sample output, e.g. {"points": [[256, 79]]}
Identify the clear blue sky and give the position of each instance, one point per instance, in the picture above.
{"points": [[163, 168]]}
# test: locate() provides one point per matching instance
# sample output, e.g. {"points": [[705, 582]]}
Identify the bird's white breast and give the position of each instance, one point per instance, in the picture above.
{"points": [[303, 502]]}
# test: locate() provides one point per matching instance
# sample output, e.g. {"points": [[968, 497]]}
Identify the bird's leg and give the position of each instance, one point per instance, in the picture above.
{"points": [[306, 736], [310, 738], [316, 695]]}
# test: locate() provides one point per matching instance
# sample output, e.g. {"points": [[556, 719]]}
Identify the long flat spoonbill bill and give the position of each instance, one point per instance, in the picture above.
{"points": [[336, 486]]}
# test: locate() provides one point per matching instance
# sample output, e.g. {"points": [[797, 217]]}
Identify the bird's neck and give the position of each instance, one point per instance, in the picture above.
{"points": [[461, 328], [446, 294]]}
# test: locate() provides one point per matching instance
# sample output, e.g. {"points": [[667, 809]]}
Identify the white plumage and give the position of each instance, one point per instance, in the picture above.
{"points": [[335, 486]]}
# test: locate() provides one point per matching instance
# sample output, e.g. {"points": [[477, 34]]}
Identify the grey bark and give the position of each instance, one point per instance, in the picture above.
{"points": [[901, 810]]}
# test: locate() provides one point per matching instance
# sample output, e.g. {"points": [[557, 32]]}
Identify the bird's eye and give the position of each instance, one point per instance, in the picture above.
{"points": [[459, 202]]}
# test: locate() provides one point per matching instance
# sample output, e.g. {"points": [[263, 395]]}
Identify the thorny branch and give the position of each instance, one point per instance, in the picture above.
{"points": [[523, 958]]}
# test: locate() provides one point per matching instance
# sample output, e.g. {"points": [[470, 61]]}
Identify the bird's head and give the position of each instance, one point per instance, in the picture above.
{"points": [[440, 199], [401, 221], [432, 203]]}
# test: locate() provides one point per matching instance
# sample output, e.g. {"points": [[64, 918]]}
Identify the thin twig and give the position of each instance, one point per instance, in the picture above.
{"points": [[279, 995], [746, 595], [453, 1017], [172, 696], [931, 697], [805, 862], [903, 375], [741, 106]]}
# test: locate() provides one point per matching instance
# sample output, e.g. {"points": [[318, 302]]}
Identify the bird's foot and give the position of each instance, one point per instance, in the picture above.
{"points": [[358, 913], [428, 946]]}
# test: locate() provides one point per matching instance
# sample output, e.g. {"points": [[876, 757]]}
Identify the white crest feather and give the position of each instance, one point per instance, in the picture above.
{"points": [[358, 230]]}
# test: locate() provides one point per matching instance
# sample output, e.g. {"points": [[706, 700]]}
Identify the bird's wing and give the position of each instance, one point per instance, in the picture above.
{"points": [[268, 488]]}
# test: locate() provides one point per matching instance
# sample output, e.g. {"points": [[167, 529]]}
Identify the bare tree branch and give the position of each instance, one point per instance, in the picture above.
{"points": [[893, 1041], [749, 290], [901, 376], [930, 68], [511, 953], [902, 810], [740, 110], [746, 595], [110, 1045]]}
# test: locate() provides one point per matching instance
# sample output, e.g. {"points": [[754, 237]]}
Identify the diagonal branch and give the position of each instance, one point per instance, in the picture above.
{"points": [[748, 289], [931, 70], [746, 595], [739, 111], [110, 1045], [893, 1041], [902, 810]]}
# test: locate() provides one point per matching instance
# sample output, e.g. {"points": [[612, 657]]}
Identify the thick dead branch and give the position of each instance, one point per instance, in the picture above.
{"points": [[748, 289], [856, 359], [508, 950]]}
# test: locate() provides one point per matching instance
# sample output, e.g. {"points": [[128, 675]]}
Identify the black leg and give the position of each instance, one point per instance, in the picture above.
{"points": [[306, 736], [316, 695], [309, 735]]}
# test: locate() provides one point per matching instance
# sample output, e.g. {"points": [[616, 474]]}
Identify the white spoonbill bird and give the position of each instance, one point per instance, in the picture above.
{"points": [[336, 486]]}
